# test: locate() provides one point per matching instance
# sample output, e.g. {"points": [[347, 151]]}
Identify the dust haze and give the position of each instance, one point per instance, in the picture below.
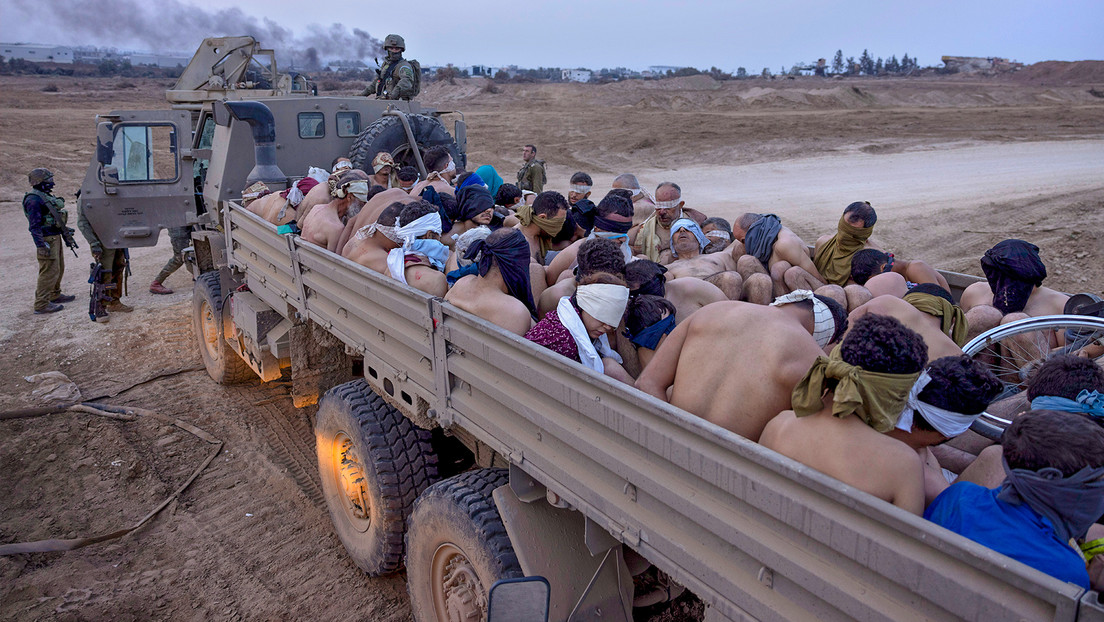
{"points": [[172, 26]]}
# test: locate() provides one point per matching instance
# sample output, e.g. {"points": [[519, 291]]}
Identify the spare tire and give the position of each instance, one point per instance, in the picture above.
{"points": [[387, 134]]}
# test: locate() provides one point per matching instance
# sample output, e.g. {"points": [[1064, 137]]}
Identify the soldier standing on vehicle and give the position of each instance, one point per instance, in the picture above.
{"points": [[181, 238], [47, 217], [531, 176], [398, 78], [112, 272]]}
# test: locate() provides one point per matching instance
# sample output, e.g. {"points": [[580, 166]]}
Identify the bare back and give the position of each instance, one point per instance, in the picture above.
{"points": [[928, 326], [371, 211], [323, 227], [689, 294], [1043, 300], [318, 195], [472, 294]]}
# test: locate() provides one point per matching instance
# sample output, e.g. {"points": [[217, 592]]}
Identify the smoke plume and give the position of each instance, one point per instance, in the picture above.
{"points": [[172, 26]]}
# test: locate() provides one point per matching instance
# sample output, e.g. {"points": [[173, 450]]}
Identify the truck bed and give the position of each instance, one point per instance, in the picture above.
{"points": [[752, 533]]}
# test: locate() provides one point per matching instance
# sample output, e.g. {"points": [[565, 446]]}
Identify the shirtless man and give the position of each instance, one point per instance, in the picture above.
{"points": [[882, 273], [719, 233], [369, 245], [407, 176], [687, 294], [540, 222], [442, 170], [383, 170], [927, 326], [653, 236], [370, 213], [716, 268], [837, 440], [643, 205], [595, 255], [833, 253], [1015, 272], [610, 219], [777, 251], [717, 364], [423, 255], [279, 209], [325, 223], [475, 208], [500, 293]]}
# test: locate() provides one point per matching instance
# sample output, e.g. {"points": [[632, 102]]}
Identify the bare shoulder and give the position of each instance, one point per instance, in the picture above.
{"points": [[1046, 301], [777, 429], [976, 294]]}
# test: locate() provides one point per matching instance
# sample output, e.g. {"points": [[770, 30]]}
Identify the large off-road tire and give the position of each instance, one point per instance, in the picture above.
{"points": [[387, 134], [373, 463], [457, 548], [222, 363]]}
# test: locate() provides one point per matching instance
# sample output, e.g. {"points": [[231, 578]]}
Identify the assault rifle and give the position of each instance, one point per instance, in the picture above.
{"points": [[96, 294], [66, 232]]}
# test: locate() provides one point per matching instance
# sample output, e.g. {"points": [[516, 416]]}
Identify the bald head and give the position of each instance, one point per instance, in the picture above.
{"points": [[627, 181], [668, 191]]}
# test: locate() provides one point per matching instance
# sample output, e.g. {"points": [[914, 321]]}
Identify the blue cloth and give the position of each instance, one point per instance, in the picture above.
{"points": [[291, 227], [1013, 530], [490, 177], [472, 180], [433, 250], [1087, 403], [459, 273], [649, 337]]}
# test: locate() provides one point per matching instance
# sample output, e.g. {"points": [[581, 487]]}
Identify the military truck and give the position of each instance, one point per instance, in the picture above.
{"points": [[470, 455]]}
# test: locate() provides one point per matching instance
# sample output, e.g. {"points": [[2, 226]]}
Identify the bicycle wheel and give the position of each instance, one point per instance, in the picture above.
{"points": [[1014, 350]]}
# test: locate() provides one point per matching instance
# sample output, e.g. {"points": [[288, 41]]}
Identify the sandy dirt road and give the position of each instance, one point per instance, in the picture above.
{"points": [[250, 539]]}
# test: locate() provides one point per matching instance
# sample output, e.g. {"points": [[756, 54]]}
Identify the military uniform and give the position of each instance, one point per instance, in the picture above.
{"points": [[531, 176], [181, 238], [396, 79], [114, 263], [46, 231]]}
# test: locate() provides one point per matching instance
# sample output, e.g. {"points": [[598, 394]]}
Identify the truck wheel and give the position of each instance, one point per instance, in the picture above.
{"points": [[373, 463], [457, 548], [387, 134], [222, 363]]}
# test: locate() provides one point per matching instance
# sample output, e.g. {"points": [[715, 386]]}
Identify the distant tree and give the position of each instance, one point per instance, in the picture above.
{"points": [[796, 69], [448, 74], [766, 73], [892, 65], [906, 64], [866, 63], [879, 67], [108, 67], [850, 65], [837, 62], [686, 71], [501, 76], [741, 73]]}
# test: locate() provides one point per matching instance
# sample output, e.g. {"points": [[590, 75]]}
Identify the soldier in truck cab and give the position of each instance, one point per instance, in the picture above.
{"points": [[396, 79]]}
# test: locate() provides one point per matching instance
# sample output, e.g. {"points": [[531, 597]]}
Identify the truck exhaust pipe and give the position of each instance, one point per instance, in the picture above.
{"points": [[260, 119]]}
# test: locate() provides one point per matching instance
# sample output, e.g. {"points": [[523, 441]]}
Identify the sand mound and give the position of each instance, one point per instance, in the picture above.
{"points": [[1055, 73]]}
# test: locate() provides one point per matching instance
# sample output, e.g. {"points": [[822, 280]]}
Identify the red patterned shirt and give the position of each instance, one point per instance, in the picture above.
{"points": [[552, 334]]}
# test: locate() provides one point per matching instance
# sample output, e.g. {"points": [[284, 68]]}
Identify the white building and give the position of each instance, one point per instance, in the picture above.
{"points": [[37, 53], [576, 75], [159, 60]]}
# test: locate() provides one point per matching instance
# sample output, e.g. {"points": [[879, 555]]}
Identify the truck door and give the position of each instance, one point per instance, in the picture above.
{"points": [[141, 179]]}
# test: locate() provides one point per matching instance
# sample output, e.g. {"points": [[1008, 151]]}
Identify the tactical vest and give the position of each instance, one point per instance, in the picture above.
{"points": [[57, 203], [387, 81]]}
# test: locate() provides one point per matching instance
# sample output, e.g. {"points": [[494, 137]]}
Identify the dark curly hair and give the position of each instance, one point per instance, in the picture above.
{"points": [[408, 173], [864, 210], [867, 263], [641, 271], [436, 158], [507, 194], [414, 211], [880, 343], [549, 202], [1047, 438], [960, 384], [600, 255], [645, 310], [1065, 375], [615, 203], [582, 178]]}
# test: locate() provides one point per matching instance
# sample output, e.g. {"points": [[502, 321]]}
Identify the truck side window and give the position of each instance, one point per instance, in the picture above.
{"points": [[312, 125], [145, 153], [348, 124]]}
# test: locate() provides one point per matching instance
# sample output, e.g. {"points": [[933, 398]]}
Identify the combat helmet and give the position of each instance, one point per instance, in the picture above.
{"points": [[394, 41], [39, 175]]}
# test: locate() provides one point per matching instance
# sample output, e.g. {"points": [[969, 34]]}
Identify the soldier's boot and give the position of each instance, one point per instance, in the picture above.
{"points": [[157, 288], [112, 304]]}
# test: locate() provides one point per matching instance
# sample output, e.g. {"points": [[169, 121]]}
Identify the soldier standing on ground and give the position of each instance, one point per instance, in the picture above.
{"points": [[43, 211], [114, 264], [181, 238], [395, 80], [531, 176]]}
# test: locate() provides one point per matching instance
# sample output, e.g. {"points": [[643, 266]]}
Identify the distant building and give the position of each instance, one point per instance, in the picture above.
{"points": [[575, 75], [661, 70], [37, 53], [976, 64], [160, 60], [484, 71]]}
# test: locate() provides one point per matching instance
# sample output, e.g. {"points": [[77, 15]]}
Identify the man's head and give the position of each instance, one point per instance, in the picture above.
{"points": [[1041, 439], [880, 343], [383, 164], [644, 311], [475, 204], [551, 204], [743, 223], [581, 184], [41, 179], [838, 311], [646, 277], [437, 158], [687, 239], [466, 239], [867, 263], [958, 384], [408, 176], [390, 214], [340, 163], [668, 197], [860, 214], [394, 45], [627, 181], [1065, 375], [614, 213], [528, 152], [414, 211], [603, 306], [599, 255], [508, 195]]}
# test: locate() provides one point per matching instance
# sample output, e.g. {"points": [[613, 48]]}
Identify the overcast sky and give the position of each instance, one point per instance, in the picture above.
{"points": [[590, 33]]}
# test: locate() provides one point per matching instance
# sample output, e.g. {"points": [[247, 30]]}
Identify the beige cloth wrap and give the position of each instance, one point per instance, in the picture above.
{"points": [[647, 240], [550, 226], [954, 323], [833, 260], [877, 398]]}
